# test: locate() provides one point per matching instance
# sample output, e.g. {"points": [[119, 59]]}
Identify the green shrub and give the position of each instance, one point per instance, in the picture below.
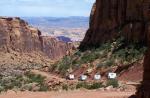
{"points": [[1, 88], [87, 58], [95, 85], [35, 78], [64, 65], [82, 85], [65, 87], [25, 82], [89, 86], [105, 46], [44, 87], [108, 63], [112, 82], [78, 53], [9, 82]]}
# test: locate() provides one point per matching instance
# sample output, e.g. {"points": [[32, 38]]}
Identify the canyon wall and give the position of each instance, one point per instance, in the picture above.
{"points": [[128, 18], [112, 18], [54, 48], [17, 35]]}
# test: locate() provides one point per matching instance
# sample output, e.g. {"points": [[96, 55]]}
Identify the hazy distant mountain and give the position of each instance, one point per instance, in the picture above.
{"points": [[64, 39], [66, 27], [65, 22]]}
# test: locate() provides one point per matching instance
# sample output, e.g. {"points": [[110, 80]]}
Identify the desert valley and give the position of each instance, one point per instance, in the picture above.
{"points": [[105, 55]]}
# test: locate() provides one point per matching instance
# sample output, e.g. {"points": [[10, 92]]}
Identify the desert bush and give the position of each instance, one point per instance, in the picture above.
{"points": [[1, 88], [95, 85], [89, 86], [39, 80], [104, 46], [44, 87], [35, 78], [24, 82], [89, 57], [65, 87], [108, 63], [112, 82], [78, 53], [64, 65], [82, 85], [10, 82]]}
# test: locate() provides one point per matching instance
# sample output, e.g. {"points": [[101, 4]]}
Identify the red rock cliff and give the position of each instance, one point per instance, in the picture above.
{"points": [[111, 18], [129, 18], [17, 35], [54, 48]]}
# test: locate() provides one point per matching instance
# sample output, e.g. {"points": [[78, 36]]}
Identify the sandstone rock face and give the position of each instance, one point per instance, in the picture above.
{"points": [[129, 18], [112, 18], [17, 35], [54, 48]]}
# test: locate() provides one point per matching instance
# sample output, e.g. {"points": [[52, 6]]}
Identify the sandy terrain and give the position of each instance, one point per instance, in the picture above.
{"points": [[69, 94]]}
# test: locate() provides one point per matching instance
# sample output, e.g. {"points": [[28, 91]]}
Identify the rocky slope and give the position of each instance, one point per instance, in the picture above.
{"points": [[17, 35], [22, 49], [128, 18]]}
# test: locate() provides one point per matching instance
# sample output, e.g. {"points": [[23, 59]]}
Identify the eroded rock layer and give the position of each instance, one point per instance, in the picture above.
{"points": [[17, 35]]}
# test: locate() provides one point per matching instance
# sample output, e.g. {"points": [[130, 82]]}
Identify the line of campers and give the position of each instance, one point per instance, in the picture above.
{"points": [[96, 76]]}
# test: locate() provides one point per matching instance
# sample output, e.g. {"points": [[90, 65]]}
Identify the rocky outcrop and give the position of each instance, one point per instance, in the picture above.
{"points": [[54, 48], [128, 18], [17, 35], [112, 18]]}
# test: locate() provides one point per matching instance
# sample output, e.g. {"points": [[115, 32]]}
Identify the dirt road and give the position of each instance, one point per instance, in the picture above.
{"points": [[69, 94]]}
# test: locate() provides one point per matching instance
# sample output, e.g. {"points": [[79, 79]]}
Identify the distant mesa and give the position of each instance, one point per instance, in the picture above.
{"points": [[64, 22], [64, 39], [71, 27]]}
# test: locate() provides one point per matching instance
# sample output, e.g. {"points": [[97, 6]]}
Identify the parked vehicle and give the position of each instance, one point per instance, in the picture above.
{"points": [[112, 75], [83, 77], [71, 77], [97, 77]]}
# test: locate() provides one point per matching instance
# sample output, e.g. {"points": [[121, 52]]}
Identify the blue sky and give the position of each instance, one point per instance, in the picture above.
{"points": [[52, 8]]}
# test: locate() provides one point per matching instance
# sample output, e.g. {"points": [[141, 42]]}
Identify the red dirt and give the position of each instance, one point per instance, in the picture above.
{"points": [[69, 94], [134, 73]]}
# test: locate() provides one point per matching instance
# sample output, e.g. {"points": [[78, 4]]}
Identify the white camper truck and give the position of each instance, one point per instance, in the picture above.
{"points": [[97, 77], [112, 75], [83, 77], [71, 77]]}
